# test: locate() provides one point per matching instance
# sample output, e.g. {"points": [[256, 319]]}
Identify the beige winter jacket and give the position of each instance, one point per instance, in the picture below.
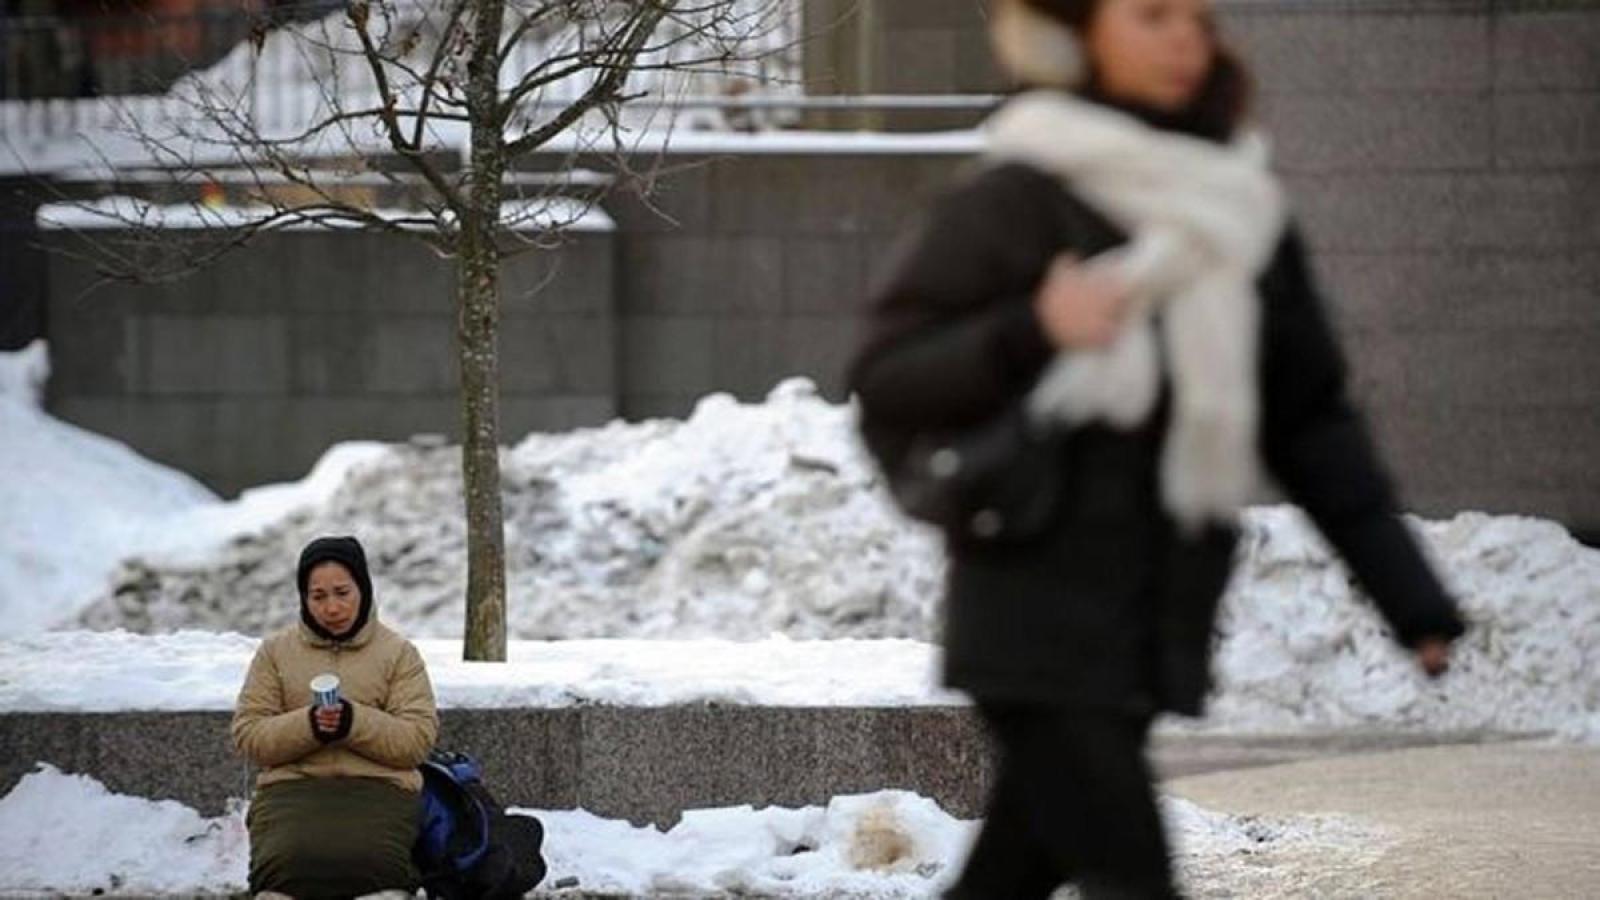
{"points": [[393, 722]]}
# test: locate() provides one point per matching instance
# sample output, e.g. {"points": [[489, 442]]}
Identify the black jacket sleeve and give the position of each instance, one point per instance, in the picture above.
{"points": [[953, 337], [1317, 447]]}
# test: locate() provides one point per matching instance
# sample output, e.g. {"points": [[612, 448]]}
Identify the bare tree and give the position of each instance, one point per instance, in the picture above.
{"points": [[450, 95]]}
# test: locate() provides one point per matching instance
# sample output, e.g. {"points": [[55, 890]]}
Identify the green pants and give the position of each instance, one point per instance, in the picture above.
{"points": [[330, 838]]}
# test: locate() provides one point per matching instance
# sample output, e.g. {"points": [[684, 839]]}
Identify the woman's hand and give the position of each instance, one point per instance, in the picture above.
{"points": [[327, 718], [1433, 654], [332, 723], [1080, 306]]}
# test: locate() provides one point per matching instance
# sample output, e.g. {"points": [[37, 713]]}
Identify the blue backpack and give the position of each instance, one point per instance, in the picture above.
{"points": [[467, 846]]}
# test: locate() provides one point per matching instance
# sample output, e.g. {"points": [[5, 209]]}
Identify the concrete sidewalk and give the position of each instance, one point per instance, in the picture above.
{"points": [[1497, 820]]}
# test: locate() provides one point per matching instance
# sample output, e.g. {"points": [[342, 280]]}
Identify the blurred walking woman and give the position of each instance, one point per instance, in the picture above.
{"points": [[1081, 366], [337, 802]]}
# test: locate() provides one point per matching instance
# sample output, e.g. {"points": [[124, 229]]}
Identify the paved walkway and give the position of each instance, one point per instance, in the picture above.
{"points": [[1518, 820]]}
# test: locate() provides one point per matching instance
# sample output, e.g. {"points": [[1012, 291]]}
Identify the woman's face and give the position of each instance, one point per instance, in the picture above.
{"points": [[1153, 52], [332, 597]]}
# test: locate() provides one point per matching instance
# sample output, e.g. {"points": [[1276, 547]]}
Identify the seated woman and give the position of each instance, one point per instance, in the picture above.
{"points": [[337, 800]]}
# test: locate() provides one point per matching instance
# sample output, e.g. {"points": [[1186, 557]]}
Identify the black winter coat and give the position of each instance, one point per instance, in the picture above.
{"points": [[1108, 606]]}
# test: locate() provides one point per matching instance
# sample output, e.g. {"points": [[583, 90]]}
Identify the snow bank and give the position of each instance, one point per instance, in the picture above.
{"points": [[68, 833], [103, 672], [748, 520], [744, 521], [75, 503], [1301, 648]]}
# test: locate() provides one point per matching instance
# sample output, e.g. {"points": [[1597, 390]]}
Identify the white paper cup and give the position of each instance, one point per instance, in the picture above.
{"points": [[325, 690]]}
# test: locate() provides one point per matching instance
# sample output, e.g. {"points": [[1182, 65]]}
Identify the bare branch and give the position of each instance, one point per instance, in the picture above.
{"points": [[412, 153], [606, 88]]}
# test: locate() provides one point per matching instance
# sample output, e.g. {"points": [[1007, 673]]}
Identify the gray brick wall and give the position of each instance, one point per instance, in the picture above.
{"points": [[1445, 163], [763, 274], [247, 371]]}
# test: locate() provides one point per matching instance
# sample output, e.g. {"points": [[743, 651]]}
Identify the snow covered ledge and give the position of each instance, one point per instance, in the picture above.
{"points": [[638, 730]]}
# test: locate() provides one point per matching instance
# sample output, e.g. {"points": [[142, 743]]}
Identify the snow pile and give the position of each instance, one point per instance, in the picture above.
{"points": [[889, 844], [744, 520], [1300, 649], [75, 503], [105, 672], [68, 833], [753, 519]]}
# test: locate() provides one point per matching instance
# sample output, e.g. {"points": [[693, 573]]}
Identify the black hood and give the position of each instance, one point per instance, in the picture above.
{"points": [[347, 552]]}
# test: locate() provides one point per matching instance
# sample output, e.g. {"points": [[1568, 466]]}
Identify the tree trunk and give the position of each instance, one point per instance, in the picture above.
{"points": [[478, 310]]}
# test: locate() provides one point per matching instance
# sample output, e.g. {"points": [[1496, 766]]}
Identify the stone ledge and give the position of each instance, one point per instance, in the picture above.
{"points": [[644, 764]]}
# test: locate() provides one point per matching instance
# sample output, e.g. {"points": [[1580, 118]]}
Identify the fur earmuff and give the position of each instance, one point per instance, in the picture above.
{"points": [[1034, 49]]}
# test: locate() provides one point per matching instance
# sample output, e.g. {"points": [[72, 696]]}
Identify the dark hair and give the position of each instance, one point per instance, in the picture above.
{"points": [[1224, 98]]}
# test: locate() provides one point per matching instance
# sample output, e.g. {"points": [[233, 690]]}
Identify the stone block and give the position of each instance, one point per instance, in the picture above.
{"points": [[531, 356], [558, 353], [668, 354], [522, 414], [325, 272], [1337, 48], [247, 280], [250, 439], [330, 353], [1437, 211], [977, 72], [162, 756], [1465, 456], [749, 355], [531, 757], [648, 765], [821, 349], [701, 275], [210, 355], [96, 345], [177, 431], [577, 277], [917, 61], [642, 405], [930, 14], [1379, 132], [1536, 130], [824, 275], [1466, 289], [668, 194], [410, 355], [896, 190], [1518, 370], [1548, 48], [765, 195]]}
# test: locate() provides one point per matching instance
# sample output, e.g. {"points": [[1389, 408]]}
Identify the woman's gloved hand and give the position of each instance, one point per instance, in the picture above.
{"points": [[331, 723]]}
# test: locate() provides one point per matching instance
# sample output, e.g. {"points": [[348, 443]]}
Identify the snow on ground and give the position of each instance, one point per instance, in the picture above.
{"points": [[193, 670], [75, 503], [69, 833]]}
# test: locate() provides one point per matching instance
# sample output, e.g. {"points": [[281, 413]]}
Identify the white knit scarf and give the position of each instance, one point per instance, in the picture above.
{"points": [[1204, 219]]}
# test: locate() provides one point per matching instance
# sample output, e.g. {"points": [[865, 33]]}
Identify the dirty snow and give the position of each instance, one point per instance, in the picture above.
{"points": [[68, 832], [744, 521]]}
